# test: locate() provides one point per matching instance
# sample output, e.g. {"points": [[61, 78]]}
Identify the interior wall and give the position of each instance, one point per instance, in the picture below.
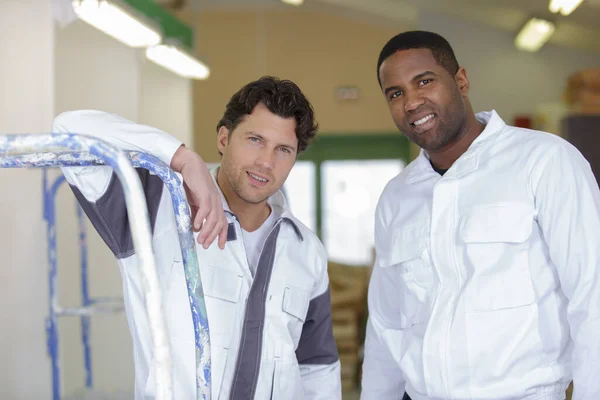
{"points": [[319, 51], [94, 71], [26, 106], [337, 51], [165, 101]]}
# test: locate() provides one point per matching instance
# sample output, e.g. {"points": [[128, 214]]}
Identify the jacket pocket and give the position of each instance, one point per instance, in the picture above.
{"points": [[417, 280], [287, 382], [222, 290], [498, 223], [496, 251], [295, 302], [222, 284], [295, 308]]}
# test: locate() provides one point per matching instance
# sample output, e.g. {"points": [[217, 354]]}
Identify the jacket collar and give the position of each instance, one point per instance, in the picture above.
{"points": [[277, 201], [421, 169]]}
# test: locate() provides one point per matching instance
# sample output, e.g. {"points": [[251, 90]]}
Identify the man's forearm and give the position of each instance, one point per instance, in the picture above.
{"points": [[185, 157]]}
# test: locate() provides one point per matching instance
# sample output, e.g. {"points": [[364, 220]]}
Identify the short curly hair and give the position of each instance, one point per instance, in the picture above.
{"points": [[281, 97]]}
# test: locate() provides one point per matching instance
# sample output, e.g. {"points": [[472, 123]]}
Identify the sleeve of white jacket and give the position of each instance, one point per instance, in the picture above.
{"points": [[118, 131], [98, 189], [382, 379], [568, 206], [317, 352]]}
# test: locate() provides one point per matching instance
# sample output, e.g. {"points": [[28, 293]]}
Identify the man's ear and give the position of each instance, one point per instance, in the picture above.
{"points": [[222, 139], [462, 81]]}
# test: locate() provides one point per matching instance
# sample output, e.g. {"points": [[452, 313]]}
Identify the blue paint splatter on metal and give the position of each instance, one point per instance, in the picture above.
{"points": [[97, 149], [51, 322], [190, 262], [85, 299]]}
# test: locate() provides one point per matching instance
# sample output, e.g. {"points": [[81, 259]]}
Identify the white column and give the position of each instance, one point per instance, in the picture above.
{"points": [[26, 105]]}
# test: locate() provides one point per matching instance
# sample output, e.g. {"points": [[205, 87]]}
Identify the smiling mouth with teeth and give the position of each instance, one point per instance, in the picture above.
{"points": [[258, 178], [421, 121]]}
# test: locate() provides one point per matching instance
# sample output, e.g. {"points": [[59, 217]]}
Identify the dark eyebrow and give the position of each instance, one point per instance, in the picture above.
{"points": [[259, 136], [423, 75], [415, 78]]}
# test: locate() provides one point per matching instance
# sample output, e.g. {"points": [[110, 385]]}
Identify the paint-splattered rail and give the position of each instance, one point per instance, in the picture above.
{"points": [[54, 150], [89, 310]]}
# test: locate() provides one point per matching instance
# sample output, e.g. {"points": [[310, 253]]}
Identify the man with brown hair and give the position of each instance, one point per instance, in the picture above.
{"points": [[266, 287]]}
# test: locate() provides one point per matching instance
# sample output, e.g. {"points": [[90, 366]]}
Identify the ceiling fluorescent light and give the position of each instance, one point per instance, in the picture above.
{"points": [[293, 2], [177, 61], [115, 21], [534, 34], [565, 7]]}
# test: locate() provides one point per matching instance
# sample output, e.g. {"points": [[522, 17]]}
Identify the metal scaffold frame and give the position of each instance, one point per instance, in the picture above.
{"points": [[73, 150]]}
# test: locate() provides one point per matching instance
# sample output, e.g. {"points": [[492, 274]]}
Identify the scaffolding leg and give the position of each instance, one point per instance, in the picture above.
{"points": [[85, 299], [55, 310], [51, 322]]}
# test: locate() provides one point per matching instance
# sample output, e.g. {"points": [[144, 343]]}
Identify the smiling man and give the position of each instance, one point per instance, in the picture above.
{"points": [[487, 278], [266, 288]]}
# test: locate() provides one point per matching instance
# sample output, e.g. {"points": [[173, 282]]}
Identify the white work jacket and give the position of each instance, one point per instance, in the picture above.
{"points": [[487, 279], [271, 334]]}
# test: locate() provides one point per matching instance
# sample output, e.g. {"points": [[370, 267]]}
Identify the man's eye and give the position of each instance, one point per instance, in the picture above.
{"points": [[424, 82], [396, 94]]}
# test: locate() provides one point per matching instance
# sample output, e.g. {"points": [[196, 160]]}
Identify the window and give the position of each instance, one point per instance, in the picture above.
{"points": [[299, 189], [350, 174], [351, 190]]}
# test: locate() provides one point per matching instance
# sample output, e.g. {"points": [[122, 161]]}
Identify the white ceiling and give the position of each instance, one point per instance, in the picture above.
{"points": [[578, 30]]}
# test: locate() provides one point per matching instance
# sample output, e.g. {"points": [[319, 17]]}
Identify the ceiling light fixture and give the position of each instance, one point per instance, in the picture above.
{"points": [[115, 21], [534, 34], [177, 61], [565, 7], [293, 2]]}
